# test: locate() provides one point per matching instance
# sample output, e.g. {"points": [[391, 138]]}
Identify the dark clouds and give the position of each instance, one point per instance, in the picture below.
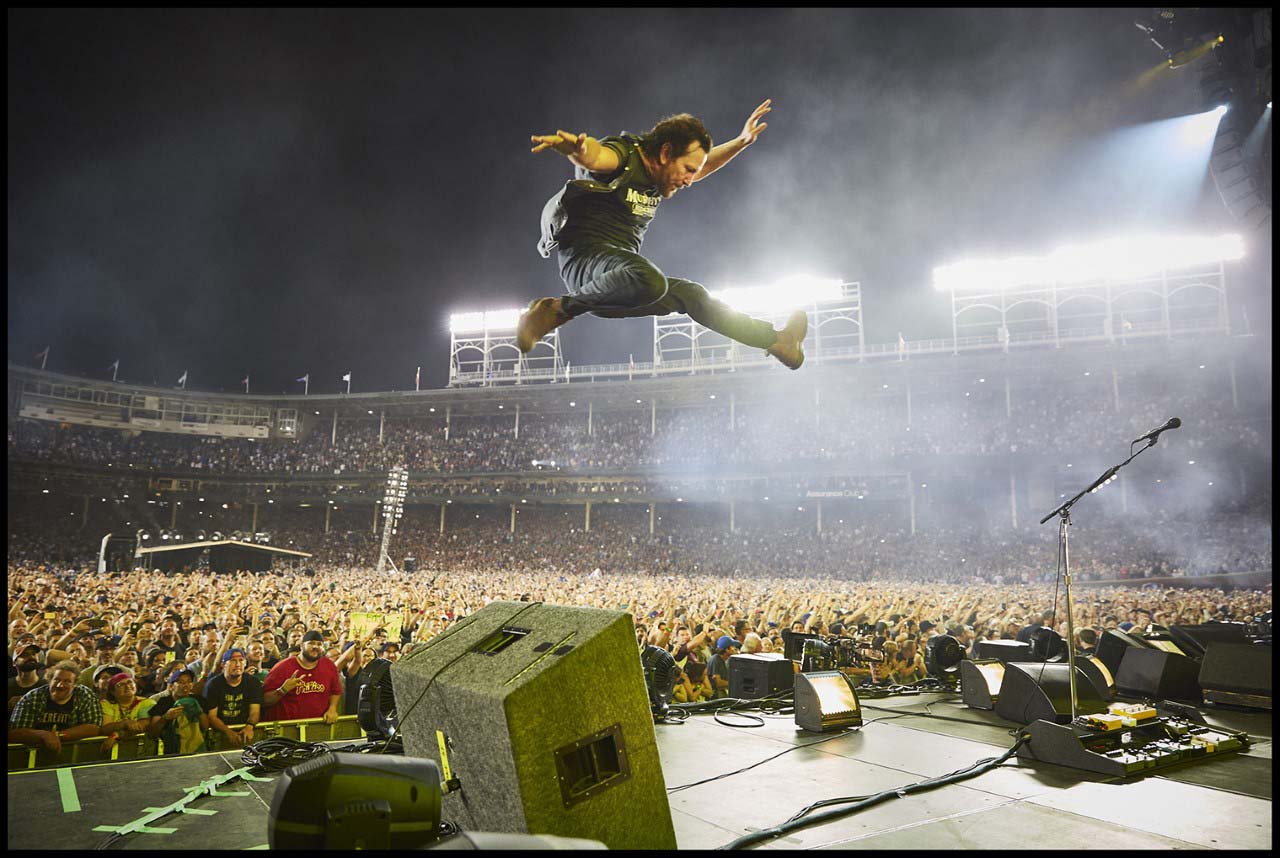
{"points": [[286, 192]]}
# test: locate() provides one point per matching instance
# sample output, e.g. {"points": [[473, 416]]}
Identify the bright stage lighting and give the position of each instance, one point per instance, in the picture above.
{"points": [[1119, 258], [493, 321], [798, 290]]}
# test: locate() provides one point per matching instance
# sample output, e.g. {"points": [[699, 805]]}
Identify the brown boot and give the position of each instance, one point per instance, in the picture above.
{"points": [[543, 316], [788, 349]]}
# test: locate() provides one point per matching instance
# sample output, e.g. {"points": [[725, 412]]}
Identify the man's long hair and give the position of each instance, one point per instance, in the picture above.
{"points": [[680, 131]]}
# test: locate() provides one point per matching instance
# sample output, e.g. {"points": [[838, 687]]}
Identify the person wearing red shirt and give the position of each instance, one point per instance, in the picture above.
{"points": [[305, 685]]}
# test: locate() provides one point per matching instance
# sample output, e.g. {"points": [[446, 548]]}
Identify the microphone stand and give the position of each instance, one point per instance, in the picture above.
{"points": [[1064, 512]]}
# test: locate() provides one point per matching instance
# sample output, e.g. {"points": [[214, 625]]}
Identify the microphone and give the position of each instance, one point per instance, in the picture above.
{"points": [[1154, 434]]}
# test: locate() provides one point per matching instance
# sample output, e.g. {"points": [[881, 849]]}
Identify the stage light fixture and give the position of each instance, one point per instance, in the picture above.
{"points": [[356, 801], [943, 655], [826, 701]]}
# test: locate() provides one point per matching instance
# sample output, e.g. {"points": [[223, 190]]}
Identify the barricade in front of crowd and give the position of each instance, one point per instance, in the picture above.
{"points": [[86, 751]]}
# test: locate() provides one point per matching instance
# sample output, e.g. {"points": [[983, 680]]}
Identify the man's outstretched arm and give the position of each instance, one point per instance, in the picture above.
{"points": [[725, 152], [586, 152]]}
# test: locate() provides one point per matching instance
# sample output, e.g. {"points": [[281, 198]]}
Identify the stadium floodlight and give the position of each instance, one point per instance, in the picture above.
{"points": [[492, 321], [1111, 259], [797, 290]]}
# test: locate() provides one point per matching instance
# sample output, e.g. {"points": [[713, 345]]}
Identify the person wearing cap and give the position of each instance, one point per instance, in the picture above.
{"points": [[102, 677], [62, 711], [718, 665], [234, 697], [305, 685], [104, 654], [124, 713], [27, 660], [162, 679], [180, 719]]}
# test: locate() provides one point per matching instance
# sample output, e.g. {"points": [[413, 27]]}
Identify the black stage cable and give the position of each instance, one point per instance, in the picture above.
{"points": [[278, 753], [755, 720], [929, 714], [801, 820]]}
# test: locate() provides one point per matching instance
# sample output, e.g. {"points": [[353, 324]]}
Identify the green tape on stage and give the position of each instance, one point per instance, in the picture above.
{"points": [[67, 790]]}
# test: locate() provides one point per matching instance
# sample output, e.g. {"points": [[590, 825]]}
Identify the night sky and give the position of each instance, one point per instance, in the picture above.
{"points": [[289, 192]]}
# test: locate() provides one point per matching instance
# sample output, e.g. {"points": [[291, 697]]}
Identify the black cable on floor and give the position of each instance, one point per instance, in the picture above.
{"points": [[860, 803]]}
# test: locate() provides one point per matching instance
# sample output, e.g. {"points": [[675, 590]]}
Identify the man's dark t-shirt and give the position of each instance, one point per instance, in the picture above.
{"points": [[233, 703], [16, 690], [603, 209], [718, 665]]}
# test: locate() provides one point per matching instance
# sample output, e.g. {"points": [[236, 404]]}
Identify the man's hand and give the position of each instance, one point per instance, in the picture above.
{"points": [[50, 740], [291, 683], [246, 734], [563, 142], [330, 716], [753, 126]]}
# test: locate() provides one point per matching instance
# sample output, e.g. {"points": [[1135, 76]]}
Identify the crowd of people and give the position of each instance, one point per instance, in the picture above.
{"points": [[182, 656], [117, 654], [785, 433]]}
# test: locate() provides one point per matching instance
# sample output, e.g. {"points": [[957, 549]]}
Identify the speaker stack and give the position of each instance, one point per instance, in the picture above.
{"points": [[756, 675], [541, 714], [1238, 674], [1042, 691]]}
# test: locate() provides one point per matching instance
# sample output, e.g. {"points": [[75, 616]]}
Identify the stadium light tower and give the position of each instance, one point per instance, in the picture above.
{"points": [[392, 511], [1111, 273], [835, 318], [483, 350]]}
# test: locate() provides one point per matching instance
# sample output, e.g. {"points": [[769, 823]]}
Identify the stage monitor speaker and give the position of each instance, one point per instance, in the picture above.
{"points": [[1195, 640], [541, 714], [1042, 691], [1004, 650], [1102, 678], [755, 675], [1157, 673], [1237, 673], [1112, 646], [826, 700], [980, 682]]}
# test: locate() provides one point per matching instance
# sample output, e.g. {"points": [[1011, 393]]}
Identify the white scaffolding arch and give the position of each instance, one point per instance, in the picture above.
{"points": [[1171, 303], [836, 328], [490, 358]]}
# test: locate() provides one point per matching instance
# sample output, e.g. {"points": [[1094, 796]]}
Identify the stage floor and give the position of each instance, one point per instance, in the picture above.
{"points": [[1216, 803]]}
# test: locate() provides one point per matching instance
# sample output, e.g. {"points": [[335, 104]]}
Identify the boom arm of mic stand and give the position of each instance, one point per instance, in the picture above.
{"points": [[1108, 474]]}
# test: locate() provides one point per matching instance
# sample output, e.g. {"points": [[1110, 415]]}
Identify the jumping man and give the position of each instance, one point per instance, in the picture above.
{"points": [[597, 222]]}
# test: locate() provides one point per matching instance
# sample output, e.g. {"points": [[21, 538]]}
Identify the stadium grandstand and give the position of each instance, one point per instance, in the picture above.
{"points": [[894, 491]]}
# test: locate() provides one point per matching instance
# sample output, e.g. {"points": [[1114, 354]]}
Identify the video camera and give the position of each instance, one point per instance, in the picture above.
{"points": [[832, 652]]}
